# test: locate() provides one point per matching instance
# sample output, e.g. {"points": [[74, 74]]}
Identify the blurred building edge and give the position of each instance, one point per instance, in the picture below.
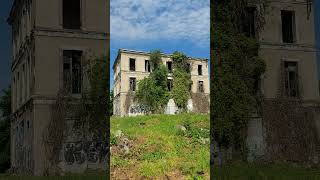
{"points": [[131, 66], [51, 39], [290, 108]]}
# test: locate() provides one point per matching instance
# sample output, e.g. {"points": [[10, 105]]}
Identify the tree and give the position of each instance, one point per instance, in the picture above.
{"points": [[155, 58], [152, 93], [95, 100], [181, 80], [236, 69], [111, 103], [5, 102], [5, 107]]}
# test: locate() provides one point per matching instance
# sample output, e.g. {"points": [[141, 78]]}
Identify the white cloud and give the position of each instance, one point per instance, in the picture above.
{"points": [[161, 19]]}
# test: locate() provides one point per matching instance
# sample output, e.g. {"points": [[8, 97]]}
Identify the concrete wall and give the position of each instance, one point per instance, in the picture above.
{"points": [[95, 15], [122, 75], [275, 134], [274, 51], [49, 59], [37, 58]]}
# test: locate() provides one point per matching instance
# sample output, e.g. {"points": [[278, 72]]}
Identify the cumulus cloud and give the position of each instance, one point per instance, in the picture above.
{"points": [[161, 19]]}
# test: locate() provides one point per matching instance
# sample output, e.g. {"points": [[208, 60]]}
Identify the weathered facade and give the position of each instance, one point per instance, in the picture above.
{"points": [[289, 85], [50, 39], [131, 66]]}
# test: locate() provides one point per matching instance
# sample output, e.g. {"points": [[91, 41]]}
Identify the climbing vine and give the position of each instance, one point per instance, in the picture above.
{"points": [[181, 80], [83, 117], [236, 71], [152, 93]]}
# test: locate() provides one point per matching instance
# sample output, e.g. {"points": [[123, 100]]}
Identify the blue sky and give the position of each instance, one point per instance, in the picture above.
{"points": [[5, 44], [168, 25]]}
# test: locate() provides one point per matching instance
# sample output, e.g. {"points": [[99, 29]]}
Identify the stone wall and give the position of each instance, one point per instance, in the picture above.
{"points": [[291, 130]]}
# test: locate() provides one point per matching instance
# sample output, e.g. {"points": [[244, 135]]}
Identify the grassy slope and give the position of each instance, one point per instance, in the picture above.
{"points": [[160, 149]]}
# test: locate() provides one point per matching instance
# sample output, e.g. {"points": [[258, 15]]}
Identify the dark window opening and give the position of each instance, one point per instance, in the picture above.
{"points": [[188, 67], [257, 85], [200, 87], [132, 84], [147, 66], [72, 71], [71, 14], [169, 84], [169, 66], [200, 70], [28, 124], [248, 22], [288, 26], [132, 64], [291, 79]]}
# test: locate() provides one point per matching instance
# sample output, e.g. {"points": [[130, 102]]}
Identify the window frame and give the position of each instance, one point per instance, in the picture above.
{"points": [[64, 26], [132, 86], [289, 91], [200, 86], [170, 70], [293, 33], [134, 64], [72, 53], [200, 71], [147, 67]]}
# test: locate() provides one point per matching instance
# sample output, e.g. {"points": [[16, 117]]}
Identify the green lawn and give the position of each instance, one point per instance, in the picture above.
{"points": [[160, 148]]}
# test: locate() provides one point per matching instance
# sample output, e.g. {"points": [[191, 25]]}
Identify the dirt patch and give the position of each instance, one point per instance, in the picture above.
{"points": [[123, 173]]}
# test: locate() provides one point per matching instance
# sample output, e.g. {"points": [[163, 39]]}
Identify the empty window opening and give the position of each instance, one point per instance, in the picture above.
{"points": [[169, 66], [248, 24], [188, 67], [200, 87], [288, 26], [132, 84], [257, 85], [291, 79], [200, 70], [169, 84], [132, 64], [147, 66], [72, 71], [71, 14]]}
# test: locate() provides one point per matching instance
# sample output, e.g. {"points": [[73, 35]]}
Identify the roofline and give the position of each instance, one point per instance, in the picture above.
{"points": [[148, 54]]}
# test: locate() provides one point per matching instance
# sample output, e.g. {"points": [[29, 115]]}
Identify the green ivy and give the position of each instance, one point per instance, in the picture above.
{"points": [[236, 69], [152, 93], [181, 80], [5, 107]]}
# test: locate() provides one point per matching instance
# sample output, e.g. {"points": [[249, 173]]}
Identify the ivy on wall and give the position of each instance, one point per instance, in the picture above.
{"points": [[153, 93], [236, 70], [181, 80]]}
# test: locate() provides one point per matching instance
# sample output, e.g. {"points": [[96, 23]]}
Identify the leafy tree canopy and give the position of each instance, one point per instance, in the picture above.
{"points": [[5, 107]]}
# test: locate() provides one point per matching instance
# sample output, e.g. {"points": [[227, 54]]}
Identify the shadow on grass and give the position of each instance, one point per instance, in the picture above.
{"points": [[252, 171]]}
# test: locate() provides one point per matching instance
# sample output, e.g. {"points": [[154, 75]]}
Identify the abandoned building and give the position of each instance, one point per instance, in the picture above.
{"points": [[131, 66], [288, 127], [50, 41]]}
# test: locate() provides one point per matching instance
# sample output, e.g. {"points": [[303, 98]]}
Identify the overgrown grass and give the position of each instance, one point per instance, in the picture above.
{"points": [[87, 175], [69, 177], [161, 148], [252, 171]]}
